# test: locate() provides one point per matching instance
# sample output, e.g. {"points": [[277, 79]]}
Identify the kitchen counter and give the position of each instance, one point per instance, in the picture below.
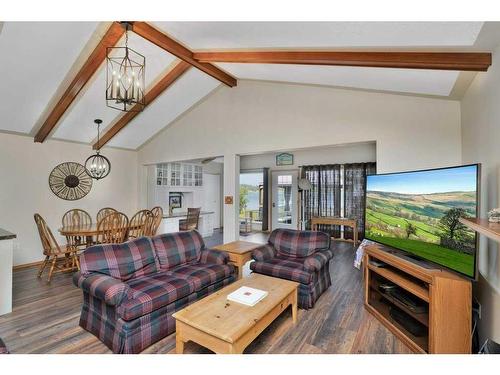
{"points": [[6, 263], [170, 223], [184, 214], [6, 235]]}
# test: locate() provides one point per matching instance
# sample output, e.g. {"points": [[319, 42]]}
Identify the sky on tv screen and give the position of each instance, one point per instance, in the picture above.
{"points": [[426, 182]]}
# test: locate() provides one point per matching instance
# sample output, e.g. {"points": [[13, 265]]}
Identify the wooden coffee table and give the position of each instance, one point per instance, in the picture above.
{"points": [[240, 252], [229, 327]]}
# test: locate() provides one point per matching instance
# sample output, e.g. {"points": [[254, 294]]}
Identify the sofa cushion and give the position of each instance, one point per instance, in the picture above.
{"points": [[123, 261], [149, 293], [284, 268], [203, 275], [173, 249], [298, 244]]}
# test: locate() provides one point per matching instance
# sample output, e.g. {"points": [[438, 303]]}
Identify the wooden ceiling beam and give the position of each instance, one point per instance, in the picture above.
{"points": [[91, 65], [464, 61], [122, 121], [162, 40]]}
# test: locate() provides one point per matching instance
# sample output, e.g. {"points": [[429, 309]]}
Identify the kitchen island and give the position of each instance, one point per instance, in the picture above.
{"points": [[170, 222], [6, 262]]}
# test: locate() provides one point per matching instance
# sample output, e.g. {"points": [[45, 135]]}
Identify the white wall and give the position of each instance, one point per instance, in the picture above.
{"points": [[25, 167], [258, 117], [353, 153], [480, 110]]}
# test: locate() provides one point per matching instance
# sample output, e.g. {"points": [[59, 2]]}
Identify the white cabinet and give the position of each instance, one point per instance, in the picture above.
{"points": [[179, 175]]}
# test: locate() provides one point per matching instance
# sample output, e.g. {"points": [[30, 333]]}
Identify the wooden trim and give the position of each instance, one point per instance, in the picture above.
{"points": [[27, 265], [166, 81], [162, 40], [483, 226], [473, 61], [94, 61]]}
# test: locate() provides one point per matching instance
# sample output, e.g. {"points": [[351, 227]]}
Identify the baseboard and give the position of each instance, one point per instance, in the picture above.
{"points": [[27, 265]]}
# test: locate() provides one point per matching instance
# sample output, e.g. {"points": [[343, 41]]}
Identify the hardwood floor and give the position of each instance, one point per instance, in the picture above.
{"points": [[45, 319]]}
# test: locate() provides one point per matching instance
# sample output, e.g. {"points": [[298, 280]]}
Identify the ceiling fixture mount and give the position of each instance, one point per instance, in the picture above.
{"points": [[97, 166], [125, 70]]}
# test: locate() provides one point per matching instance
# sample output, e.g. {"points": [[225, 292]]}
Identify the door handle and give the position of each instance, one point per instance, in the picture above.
{"points": [[274, 204]]}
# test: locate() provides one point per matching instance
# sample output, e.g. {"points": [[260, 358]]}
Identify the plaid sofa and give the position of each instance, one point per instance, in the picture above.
{"points": [[301, 256], [3, 348], [131, 290]]}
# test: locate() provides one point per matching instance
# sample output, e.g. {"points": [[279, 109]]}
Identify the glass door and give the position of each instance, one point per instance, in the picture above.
{"points": [[284, 198]]}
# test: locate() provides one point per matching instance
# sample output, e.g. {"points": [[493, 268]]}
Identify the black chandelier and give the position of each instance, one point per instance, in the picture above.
{"points": [[125, 70], [97, 166]]}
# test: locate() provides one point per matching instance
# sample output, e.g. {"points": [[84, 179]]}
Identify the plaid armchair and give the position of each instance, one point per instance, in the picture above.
{"points": [[301, 256], [131, 290]]}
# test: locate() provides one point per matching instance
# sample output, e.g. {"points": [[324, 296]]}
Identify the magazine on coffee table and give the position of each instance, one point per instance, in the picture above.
{"points": [[247, 296]]}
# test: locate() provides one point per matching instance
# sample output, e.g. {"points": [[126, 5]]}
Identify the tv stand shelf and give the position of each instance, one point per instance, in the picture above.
{"points": [[443, 323]]}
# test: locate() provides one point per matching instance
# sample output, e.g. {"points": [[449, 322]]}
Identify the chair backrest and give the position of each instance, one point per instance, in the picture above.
{"points": [[298, 243], [76, 217], [193, 217], [112, 228], [49, 243], [157, 217], [141, 224], [103, 212]]}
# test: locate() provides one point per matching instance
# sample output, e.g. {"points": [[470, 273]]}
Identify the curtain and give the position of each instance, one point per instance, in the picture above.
{"points": [[354, 195], [324, 197]]}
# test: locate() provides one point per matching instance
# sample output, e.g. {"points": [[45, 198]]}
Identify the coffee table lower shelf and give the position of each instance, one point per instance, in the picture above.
{"points": [[227, 327]]}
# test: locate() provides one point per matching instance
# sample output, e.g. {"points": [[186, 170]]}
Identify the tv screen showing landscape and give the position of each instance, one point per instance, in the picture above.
{"points": [[418, 212]]}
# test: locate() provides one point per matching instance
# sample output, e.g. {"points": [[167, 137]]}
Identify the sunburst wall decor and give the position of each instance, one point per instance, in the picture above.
{"points": [[70, 181]]}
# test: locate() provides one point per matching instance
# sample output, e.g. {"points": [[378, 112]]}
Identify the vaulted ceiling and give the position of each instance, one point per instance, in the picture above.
{"points": [[40, 59]]}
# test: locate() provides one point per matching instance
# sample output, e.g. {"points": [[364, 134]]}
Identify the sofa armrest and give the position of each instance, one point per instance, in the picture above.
{"points": [[104, 287], [264, 253], [214, 256], [318, 260]]}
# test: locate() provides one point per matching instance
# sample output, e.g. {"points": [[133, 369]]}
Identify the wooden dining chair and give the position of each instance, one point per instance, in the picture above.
{"points": [[191, 222], [112, 228], [141, 224], [76, 218], [60, 258], [103, 212], [157, 217]]}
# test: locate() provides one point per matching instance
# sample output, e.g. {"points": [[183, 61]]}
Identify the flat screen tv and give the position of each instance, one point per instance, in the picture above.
{"points": [[418, 212]]}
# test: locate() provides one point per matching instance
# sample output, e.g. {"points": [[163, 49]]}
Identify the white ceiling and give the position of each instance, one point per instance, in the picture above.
{"points": [[243, 35], [40, 55], [429, 82], [35, 57], [193, 86]]}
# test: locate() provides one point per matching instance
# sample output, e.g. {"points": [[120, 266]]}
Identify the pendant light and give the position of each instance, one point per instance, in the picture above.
{"points": [[97, 166], [125, 70]]}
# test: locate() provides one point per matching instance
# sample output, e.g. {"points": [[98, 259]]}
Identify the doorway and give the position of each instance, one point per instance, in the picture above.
{"points": [[284, 199]]}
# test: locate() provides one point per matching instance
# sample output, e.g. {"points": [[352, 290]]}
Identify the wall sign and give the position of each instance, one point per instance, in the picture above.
{"points": [[284, 159]]}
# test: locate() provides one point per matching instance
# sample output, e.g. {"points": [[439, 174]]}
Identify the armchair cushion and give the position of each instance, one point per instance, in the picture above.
{"points": [[149, 293], [106, 288], [213, 256], [318, 260], [284, 268], [263, 253], [298, 244], [178, 248], [123, 261]]}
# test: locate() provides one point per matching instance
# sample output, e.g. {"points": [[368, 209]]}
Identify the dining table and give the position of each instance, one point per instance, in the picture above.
{"points": [[89, 231]]}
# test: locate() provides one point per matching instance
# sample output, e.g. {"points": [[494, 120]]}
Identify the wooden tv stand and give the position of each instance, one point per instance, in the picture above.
{"points": [[446, 324]]}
